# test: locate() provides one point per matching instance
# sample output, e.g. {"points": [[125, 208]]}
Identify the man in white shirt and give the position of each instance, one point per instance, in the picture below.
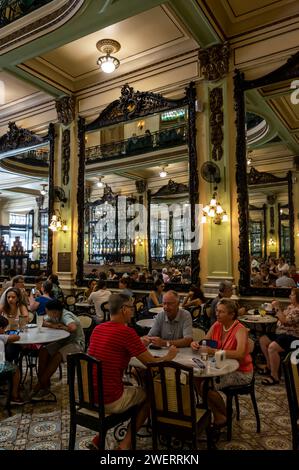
{"points": [[285, 280], [98, 297]]}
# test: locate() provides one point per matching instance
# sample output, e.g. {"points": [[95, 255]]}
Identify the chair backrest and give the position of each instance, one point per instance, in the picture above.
{"points": [[172, 394], [198, 334], [84, 372], [88, 324], [70, 300], [105, 310], [291, 373], [80, 296], [250, 345], [195, 312]]}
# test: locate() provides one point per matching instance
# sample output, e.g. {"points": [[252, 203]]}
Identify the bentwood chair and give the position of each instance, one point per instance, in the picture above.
{"points": [[291, 373], [87, 401], [173, 404]]}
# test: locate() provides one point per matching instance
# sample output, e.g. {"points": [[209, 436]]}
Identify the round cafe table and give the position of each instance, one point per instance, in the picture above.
{"points": [[41, 335], [266, 321], [146, 322], [185, 356], [155, 310]]}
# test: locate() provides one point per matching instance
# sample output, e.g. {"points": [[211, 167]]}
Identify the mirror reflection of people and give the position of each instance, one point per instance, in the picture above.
{"points": [[155, 297], [285, 280], [173, 326]]}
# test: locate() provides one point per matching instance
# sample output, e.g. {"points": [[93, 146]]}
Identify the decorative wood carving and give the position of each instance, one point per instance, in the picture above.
{"points": [[51, 138], [214, 61], [80, 201], [262, 177], [16, 138], [141, 186], [272, 218], [133, 104], [290, 70], [216, 122], [66, 154], [65, 108], [291, 217], [172, 188]]}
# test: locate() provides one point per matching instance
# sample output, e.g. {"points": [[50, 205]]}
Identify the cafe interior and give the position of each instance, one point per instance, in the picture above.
{"points": [[164, 136]]}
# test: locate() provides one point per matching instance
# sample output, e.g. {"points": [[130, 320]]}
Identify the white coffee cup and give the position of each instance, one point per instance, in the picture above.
{"points": [[219, 358]]}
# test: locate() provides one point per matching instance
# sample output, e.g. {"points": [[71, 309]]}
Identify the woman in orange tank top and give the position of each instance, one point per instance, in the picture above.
{"points": [[231, 337]]}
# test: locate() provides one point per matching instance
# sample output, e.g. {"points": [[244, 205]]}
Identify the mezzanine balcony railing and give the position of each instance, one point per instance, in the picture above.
{"points": [[159, 140], [11, 10]]}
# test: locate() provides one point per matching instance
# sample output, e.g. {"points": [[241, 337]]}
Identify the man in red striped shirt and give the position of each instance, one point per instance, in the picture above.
{"points": [[114, 343]]}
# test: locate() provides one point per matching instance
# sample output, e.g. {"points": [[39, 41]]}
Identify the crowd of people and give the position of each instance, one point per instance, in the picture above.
{"points": [[114, 341], [273, 273]]}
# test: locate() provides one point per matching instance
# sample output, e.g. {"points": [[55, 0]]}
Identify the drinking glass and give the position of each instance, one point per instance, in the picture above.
{"points": [[39, 322]]}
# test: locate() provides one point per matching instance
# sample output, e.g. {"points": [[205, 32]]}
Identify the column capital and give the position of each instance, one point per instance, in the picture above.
{"points": [[214, 61], [65, 108]]}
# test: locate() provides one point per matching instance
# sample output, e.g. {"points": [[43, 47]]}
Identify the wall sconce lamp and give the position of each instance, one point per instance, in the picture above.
{"points": [[214, 210], [43, 191], [138, 241], [140, 125], [108, 63], [163, 173], [100, 183], [58, 224], [271, 241]]}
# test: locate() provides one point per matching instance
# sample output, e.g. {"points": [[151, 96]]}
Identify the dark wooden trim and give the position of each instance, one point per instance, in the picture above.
{"points": [[241, 181], [51, 138], [80, 201], [149, 259], [291, 218], [279, 229], [290, 70], [265, 229]]}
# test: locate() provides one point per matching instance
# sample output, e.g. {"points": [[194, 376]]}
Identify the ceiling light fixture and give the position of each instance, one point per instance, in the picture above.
{"points": [[100, 183], [163, 173], [43, 191], [108, 63]]}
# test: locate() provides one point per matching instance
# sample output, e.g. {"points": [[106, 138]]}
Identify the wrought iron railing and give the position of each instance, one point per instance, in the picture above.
{"points": [[148, 142], [11, 10]]}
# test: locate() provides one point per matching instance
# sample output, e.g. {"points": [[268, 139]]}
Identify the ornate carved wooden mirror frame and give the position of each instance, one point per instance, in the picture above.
{"points": [[16, 139], [290, 70], [130, 106]]}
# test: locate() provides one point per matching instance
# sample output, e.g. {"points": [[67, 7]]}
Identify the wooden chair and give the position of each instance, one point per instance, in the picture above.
{"points": [[88, 324], [6, 374], [86, 405], [70, 301], [198, 334], [233, 392], [105, 310], [174, 412], [291, 373]]}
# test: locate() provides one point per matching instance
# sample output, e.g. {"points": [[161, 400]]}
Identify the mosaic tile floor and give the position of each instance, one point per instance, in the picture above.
{"points": [[45, 426]]}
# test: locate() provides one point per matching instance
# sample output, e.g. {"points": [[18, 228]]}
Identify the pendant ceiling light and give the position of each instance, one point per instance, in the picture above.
{"points": [[108, 63]]}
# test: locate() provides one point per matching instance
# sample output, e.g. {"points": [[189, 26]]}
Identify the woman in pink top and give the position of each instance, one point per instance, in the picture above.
{"points": [[231, 337]]}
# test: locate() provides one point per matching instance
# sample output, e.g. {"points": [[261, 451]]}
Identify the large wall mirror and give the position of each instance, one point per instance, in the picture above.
{"points": [[135, 159], [26, 199], [267, 143]]}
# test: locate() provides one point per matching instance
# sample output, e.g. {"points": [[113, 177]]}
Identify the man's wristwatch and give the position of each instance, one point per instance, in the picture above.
{"points": [[167, 344]]}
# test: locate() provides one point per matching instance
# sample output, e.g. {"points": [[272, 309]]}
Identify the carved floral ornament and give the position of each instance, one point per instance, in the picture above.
{"points": [[214, 61], [16, 137], [65, 108]]}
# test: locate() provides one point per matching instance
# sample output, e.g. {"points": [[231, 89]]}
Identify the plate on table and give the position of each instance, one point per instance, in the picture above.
{"points": [[31, 325]]}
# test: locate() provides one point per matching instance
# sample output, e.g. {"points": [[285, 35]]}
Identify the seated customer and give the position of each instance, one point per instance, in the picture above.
{"points": [[195, 297], [155, 297], [98, 297], [4, 341], [114, 343], [287, 332], [124, 284], [285, 280], [231, 337], [173, 326], [53, 354], [38, 304]]}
